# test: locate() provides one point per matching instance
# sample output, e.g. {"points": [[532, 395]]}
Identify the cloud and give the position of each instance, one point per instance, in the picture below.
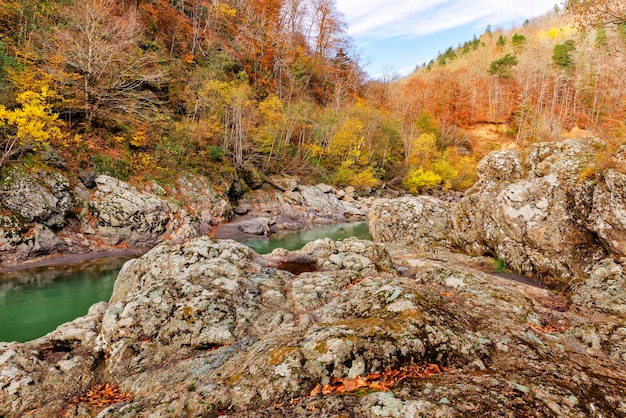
{"points": [[382, 19]]}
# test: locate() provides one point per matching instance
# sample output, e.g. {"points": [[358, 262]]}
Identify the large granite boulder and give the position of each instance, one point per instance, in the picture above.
{"points": [[527, 220], [608, 213], [122, 213], [421, 221], [209, 328]]}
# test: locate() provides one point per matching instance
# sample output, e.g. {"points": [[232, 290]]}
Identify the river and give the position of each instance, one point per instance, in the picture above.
{"points": [[34, 302]]}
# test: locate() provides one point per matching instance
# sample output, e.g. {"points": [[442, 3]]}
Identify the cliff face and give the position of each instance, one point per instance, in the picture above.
{"points": [[210, 328]]}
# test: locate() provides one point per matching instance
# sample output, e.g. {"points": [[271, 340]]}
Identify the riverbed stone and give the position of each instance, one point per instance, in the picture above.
{"points": [[256, 226]]}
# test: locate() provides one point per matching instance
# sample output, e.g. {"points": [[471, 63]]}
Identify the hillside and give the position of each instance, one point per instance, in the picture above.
{"points": [[142, 90], [555, 77]]}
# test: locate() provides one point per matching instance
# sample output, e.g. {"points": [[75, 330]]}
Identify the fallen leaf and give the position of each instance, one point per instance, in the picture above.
{"points": [[377, 381]]}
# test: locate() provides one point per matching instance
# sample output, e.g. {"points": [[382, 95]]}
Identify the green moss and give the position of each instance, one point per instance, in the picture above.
{"points": [[500, 266]]}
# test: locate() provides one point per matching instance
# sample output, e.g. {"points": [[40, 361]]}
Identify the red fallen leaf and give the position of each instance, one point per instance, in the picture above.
{"points": [[327, 389], [101, 395], [447, 294], [279, 405], [377, 381], [317, 389]]}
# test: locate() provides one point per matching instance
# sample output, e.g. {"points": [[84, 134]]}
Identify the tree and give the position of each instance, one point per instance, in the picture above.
{"points": [[560, 55], [232, 108], [598, 13], [96, 60], [503, 67], [602, 40], [29, 124], [518, 42], [6, 63]]}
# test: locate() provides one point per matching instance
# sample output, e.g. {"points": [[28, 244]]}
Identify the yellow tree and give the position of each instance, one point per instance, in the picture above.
{"points": [[29, 124], [232, 106]]}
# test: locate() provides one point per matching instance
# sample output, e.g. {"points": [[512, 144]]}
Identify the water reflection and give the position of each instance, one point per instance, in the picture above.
{"points": [[34, 302], [294, 240]]}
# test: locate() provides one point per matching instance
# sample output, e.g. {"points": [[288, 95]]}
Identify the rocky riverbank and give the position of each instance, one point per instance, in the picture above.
{"points": [[43, 214], [405, 327], [210, 328]]}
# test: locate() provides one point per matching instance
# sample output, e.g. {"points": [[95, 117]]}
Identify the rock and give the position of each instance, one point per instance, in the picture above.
{"points": [[201, 209], [40, 197], [52, 158], [82, 330], [88, 178], [504, 166], [422, 221], [256, 226], [527, 222], [294, 197], [236, 189], [22, 241], [124, 214], [209, 327], [284, 183], [241, 209], [564, 159], [603, 290], [321, 201], [251, 175], [325, 188], [350, 192], [608, 214]]}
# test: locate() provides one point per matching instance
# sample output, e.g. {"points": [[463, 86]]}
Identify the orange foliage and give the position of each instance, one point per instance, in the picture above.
{"points": [[100, 395], [378, 381], [169, 26]]}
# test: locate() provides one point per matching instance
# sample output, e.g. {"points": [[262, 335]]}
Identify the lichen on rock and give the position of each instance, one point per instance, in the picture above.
{"points": [[209, 327]]}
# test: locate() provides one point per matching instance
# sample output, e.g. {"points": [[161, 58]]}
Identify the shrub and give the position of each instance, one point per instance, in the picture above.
{"points": [[419, 179]]}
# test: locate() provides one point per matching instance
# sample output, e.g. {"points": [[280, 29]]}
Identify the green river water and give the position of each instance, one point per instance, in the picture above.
{"points": [[34, 302]]}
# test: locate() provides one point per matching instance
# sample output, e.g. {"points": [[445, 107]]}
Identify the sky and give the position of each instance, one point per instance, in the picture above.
{"points": [[394, 36]]}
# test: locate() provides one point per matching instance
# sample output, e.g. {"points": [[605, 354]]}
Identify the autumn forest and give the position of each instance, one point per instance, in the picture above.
{"points": [[145, 88]]}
